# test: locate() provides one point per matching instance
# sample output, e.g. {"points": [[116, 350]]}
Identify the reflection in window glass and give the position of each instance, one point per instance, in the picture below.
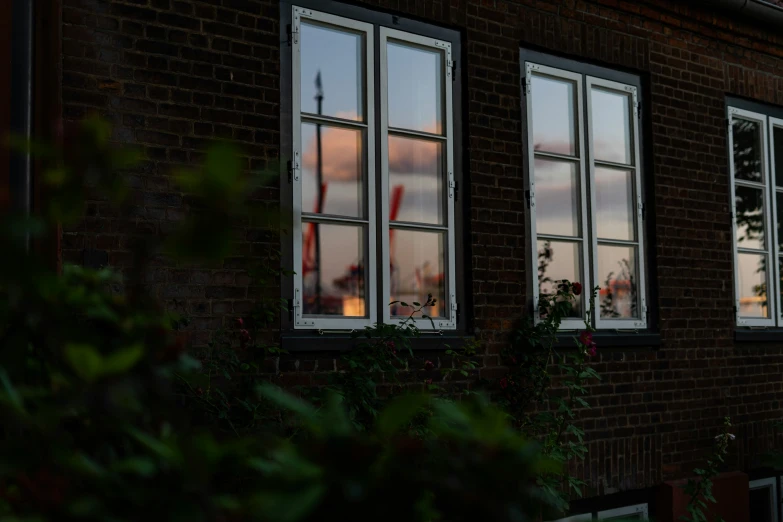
{"points": [[341, 171], [617, 298], [415, 180], [752, 285], [340, 80], [615, 203], [559, 260], [611, 126], [417, 268], [415, 90], [333, 270], [554, 125], [749, 224], [777, 136], [557, 198], [747, 150]]}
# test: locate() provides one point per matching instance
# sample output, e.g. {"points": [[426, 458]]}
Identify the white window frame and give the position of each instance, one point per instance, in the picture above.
{"points": [[587, 163], [624, 511], [368, 126], [583, 517], [767, 185], [630, 92], [568, 323], [450, 307], [773, 497]]}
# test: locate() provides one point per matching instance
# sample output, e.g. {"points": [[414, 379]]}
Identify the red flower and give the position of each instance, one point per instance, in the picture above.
{"points": [[504, 383], [240, 322], [199, 391], [577, 288], [428, 365], [428, 382], [586, 339]]}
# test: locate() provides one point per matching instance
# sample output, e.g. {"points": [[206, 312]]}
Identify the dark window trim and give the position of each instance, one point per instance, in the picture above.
{"points": [[312, 341], [649, 336], [461, 160], [758, 335]]}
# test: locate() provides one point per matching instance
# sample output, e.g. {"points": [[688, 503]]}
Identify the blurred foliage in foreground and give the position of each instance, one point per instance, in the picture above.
{"points": [[93, 427]]}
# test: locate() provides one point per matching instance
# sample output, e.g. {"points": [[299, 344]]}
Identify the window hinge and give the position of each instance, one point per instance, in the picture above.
{"points": [[293, 168], [290, 171], [728, 123], [523, 84], [293, 36], [290, 310], [456, 190], [452, 64], [456, 311], [452, 186], [530, 196], [639, 110]]}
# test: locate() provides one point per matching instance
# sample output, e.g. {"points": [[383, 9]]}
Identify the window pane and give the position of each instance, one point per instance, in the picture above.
{"points": [[554, 124], [557, 198], [760, 505], [779, 204], [341, 80], [616, 204], [338, 287], [617, 298], [752, 284], [777, 136], [747, 150], [415, 87], [559, 260], [750, 217], [417, 269], [341, 159], [611, 116], [415, 180]]}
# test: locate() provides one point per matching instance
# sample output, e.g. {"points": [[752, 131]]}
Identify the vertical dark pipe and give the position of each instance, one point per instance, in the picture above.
{"points": [[20, 182]]}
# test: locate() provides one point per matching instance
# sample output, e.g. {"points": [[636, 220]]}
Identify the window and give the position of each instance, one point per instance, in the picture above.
{"points": [[373, 176], [763, 500], [635, 512], [756, 202], [585, 188]]}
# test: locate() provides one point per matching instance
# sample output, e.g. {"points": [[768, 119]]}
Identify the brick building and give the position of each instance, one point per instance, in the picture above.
{"points": [[464, 149]]}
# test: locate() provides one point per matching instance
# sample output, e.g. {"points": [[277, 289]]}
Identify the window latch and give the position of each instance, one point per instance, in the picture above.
{"points": [[293, 34]]}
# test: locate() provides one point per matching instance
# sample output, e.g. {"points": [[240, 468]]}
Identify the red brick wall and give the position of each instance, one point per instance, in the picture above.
{"points": [[171, 74]]}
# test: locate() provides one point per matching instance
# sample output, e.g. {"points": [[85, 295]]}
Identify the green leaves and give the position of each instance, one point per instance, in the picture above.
{"points": [[89, 364], [398, 413]]}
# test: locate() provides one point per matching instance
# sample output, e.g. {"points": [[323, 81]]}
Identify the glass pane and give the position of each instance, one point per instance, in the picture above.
{"points": [[611, 115], [559, 260], [779, 203], [616, 204], [557, 198], [747, 150], [338, 287], [760, 505], [554, 124], [617, 298], [780, 286], [415, 180], [340, 169], [334, 84], [415, 77], [418, 264], [752, 284], [750, 217], [777, 137]]}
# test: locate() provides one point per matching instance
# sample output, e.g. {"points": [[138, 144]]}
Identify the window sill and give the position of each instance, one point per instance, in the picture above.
{"points": [[614, 339], [312, 341], [765, 335]]}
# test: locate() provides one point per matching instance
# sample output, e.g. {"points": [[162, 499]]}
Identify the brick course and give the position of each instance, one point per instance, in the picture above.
{"points": [[171, 75]]}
